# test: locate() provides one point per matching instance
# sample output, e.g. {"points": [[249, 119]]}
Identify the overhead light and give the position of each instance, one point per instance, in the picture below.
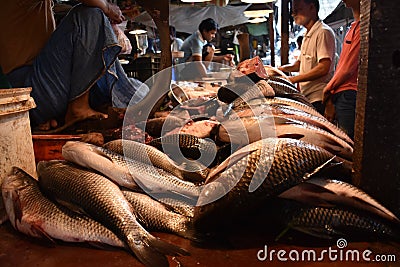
{"points": [[258, 10], [137, 31], [257, 20], [257, 13], [257, 1]]}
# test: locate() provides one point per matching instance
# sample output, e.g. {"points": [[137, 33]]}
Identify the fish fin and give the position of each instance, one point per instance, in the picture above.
{"points": [[281, 120], [71, 206], [319, 168], [282, 233], [41, 233], [227, 163], [97, 150], [152, 251], [309, 194], [291, 135], [191, 233], [316, 232]]}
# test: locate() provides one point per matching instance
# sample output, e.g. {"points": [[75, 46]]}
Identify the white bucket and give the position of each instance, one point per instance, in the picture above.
{"points": [[16, 146]]}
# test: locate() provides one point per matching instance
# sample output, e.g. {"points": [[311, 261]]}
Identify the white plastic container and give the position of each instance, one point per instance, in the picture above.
{"points": [[16, 146]]}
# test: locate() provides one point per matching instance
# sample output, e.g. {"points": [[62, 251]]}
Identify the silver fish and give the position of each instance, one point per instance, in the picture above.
{"points": [[154, 157], [148, 177], [338, 221], [250, 129], [103, 201], [257, 172], [350, 191], [33, 214], [159, 217]]}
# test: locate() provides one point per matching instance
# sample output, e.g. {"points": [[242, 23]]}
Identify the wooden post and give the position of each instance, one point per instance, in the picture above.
{"points": [[285, 32], [271, 32], [377, 130]]}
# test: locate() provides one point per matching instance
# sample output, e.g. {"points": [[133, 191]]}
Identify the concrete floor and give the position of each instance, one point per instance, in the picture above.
{"points": [[17, 250]]}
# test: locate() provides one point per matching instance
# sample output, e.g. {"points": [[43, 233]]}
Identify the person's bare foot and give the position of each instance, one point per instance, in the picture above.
{"points": [[48, 125], [79, 110]]}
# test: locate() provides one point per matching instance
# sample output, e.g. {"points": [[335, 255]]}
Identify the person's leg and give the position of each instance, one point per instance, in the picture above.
{"points": [[319, 106], [345, 106], [78, 53]]}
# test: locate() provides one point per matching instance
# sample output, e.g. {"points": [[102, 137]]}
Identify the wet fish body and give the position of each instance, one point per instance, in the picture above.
{"points": [[144, 176], [251, 129], [158, 217], [154, 157], [255, 173], [103, 201], [90, 156], [35, 215], [186, 146], [334, 222]]}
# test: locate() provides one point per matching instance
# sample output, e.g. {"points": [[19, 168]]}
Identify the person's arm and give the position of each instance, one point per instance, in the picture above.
{"points": [[295, 67], [199, 64], [112, 11], [318, 71]]}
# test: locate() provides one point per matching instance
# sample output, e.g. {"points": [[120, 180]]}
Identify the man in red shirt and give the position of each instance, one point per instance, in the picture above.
{"points": [[341, 92]]}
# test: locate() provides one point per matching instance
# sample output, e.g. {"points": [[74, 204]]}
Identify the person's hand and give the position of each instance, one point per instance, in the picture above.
{"points": [[123, 40], [330, 111], [228, 58], [114, 13], [326, 95]]}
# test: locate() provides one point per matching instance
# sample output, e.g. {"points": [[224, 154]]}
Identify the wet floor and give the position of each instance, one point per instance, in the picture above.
{"points": [[17, 250]]}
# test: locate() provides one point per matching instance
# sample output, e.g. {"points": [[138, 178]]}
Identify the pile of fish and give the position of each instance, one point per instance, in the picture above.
{"points": [[264, 144]]}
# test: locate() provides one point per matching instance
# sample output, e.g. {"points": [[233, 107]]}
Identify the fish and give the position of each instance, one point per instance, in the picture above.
{"points": [[103, 201], [142, 176], [316, 121], [284, 81], [337, 222], [182, 147], [349, 191], [200, 128], [290, 103], [286, 91], [155, 126], [35, 215], [293, 114], [93, 157], [157, 216], [255, 173], [250, 129], [154, 157]]}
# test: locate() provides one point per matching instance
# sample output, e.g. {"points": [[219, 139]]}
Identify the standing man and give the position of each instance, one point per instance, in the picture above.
{"points": [[341, 92], [193, 50], [316, 62]]}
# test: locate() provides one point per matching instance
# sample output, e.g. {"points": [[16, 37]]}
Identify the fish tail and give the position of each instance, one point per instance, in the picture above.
{"points": [[189, 232], [152, 251]]}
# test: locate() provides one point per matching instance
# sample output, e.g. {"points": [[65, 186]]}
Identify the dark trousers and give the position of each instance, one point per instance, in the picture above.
{"points": [[319, 107], [345, 106]]}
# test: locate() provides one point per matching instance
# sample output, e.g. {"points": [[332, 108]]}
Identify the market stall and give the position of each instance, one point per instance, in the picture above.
{"points": [[236, 168]]}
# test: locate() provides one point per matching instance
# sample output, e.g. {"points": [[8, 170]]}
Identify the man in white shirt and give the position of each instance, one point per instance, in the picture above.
{"points": [[316, 62]]}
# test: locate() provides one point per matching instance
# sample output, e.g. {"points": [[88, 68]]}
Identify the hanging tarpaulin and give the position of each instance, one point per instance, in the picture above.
{"points": [[220, 2], [187, 18]]}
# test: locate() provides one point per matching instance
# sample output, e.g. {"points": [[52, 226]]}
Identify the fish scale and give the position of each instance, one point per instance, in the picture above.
{"points": [[34, 214], [103, 201], [273, 176], [338, 221]]}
